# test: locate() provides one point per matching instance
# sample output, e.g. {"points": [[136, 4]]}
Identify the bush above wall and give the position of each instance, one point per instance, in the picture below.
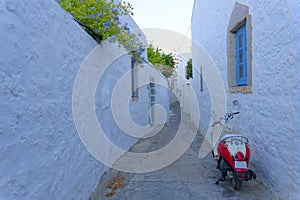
{"points": [[163, 62], [189, 69], [100, 18]]}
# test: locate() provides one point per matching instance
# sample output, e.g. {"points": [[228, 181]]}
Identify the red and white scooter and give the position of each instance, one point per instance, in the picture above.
{"points": [[232, 154]]}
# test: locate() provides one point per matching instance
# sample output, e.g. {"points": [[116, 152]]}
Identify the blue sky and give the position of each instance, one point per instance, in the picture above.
{"points": [[166, 14]]}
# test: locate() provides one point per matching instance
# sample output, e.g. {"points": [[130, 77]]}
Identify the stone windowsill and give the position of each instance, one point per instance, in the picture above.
{"points": [[241, 89]]}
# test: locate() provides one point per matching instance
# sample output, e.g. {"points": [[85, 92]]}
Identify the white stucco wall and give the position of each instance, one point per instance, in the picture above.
{"points": [[41, 155], [182, 87], [270, 115], [139, 109]]}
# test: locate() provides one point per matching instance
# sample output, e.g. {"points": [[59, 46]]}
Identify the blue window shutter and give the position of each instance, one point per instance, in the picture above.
{"points": [[241, 56], [133, 78]]}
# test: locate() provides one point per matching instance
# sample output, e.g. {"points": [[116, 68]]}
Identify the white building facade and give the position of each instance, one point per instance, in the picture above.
{"points": [[254, 45], [42, 51]]}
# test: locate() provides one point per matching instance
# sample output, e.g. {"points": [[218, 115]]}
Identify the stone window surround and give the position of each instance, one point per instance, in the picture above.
{"points": [[239, 17]]}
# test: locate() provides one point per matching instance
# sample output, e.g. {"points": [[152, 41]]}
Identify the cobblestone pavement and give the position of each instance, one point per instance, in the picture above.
{"points": [[188, 178]]}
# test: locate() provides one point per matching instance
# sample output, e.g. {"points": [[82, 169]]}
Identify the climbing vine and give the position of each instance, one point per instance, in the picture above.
{"points": [[103, 18]]}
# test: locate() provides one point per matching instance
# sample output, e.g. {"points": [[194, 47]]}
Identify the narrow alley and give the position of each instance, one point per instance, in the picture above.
{"points": [[187, 178], [86, 110]]}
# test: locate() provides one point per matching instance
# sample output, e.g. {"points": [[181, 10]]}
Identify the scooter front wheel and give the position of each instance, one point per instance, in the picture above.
{"points": [[236, 183]]}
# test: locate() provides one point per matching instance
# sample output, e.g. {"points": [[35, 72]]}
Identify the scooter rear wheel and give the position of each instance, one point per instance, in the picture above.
{"points": [[236, 183]]}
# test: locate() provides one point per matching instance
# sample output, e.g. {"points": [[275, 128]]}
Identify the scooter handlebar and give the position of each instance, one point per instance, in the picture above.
{"points": [[229, 116]]}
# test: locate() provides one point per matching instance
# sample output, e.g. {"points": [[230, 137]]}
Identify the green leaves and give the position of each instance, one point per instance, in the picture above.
{"points": [[163, 62], [102, 17], [189, 69]]}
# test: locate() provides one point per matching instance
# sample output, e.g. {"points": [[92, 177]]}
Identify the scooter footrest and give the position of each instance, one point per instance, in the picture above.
{"points": [[251, 174]]}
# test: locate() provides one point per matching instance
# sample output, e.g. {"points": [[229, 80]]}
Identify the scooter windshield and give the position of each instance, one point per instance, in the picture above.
{"points": [[236, 138]]}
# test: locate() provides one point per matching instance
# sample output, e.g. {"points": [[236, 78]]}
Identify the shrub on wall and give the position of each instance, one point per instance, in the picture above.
{"points": [[189, 69], [163, 62], [102, 18]]}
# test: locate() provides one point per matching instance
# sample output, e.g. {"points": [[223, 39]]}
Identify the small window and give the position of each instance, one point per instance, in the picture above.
{"points": [[201, 79], [134, 79], [152, 98]]}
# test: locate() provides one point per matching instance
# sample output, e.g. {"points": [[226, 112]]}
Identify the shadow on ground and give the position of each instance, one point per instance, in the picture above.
{"points": [[187, 178]]}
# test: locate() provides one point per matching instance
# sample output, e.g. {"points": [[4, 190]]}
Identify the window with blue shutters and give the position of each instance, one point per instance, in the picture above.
{"points": [[134, 72], [152, 96], [241, 56], [239, 50]]}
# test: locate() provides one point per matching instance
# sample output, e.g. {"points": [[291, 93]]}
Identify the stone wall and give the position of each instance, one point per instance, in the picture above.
{"points": [[41, 154], [269, 115]]}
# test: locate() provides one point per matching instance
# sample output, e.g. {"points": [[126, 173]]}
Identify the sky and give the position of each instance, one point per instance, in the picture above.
{"points": [[173, 15]]}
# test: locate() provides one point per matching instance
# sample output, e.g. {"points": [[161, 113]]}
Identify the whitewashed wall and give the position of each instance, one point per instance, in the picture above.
{"points": [[182, 87], [41, 155], [270, 116]]}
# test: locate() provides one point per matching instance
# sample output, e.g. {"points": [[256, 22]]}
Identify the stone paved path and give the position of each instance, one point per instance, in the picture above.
{"points": [[188, 178]]}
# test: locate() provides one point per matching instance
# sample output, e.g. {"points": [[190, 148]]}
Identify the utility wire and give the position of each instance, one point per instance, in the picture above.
{"points": [[181, 43]]}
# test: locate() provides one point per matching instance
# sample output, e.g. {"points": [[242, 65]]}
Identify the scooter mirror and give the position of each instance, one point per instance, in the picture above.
{"points": [[235, 105]]}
